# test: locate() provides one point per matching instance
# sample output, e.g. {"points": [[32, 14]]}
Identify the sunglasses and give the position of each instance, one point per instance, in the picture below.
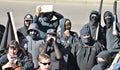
{"points": [[45, 63], [28, 20]]}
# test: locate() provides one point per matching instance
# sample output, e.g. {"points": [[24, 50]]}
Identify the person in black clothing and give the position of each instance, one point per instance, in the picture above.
{"points": [[2, 29], [32, 42], [52, 48], [95, 27], [46, 21], [112, 42], [86, 51], [66, 38]]}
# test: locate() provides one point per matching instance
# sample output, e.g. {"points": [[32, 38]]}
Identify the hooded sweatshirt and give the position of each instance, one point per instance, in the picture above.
{"points": [[33, 45], [67, 62], [62, 29], [86, 53], [113, 41], [96, 26], [44, 26]]}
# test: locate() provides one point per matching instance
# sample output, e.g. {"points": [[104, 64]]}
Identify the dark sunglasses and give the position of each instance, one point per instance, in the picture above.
{"points": [[28, 20], [45, 63], [32, 30]]}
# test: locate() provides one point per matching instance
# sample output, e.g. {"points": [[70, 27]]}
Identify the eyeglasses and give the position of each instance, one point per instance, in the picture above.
{"points": [[45, 63]]}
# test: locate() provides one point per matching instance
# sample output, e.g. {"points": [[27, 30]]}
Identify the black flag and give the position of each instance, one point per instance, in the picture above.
{"points": [[9, 34]]}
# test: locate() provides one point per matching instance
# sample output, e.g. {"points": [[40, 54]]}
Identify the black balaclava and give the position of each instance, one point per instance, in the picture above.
{"points": [[108, 21], [107, 57], [85, 30], [94, 19], [34, 36], [34, 26]]}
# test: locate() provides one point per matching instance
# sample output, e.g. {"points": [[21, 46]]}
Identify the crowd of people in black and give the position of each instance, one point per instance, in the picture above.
{"points": [[47, 43]]}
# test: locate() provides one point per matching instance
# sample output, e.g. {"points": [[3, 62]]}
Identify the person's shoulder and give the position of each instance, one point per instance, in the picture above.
{"points": [[28, 37], [97, 43], [21, 28], [73, 32], [3, 57], [2, 28], [118, 24], [77, 44], [41, 40]]}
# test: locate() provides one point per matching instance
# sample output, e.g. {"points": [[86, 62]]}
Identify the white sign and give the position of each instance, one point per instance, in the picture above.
{"points": [[46, 8]]}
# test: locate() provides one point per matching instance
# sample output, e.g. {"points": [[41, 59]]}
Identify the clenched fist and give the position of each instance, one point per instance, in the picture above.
{"points": [[38, 10]]}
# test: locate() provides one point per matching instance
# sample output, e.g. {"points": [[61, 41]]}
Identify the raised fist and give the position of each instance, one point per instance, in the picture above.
{"points": [[38, 10]]}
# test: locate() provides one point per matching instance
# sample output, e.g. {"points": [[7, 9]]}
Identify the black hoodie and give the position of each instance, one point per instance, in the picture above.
{"points": [[113, 41], [96, 26], [67, 62]]}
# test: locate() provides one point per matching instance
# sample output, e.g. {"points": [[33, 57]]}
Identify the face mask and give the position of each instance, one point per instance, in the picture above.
{"points": [[108, 18], [108, 22], [108, 25], [85, 40], [33, 36], [102, 65], [94, 18]]}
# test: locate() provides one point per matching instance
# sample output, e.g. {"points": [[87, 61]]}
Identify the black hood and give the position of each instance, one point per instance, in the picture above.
{"points": [[85, 30], [33, 26], [106, 56], [108, 13], [62, 24], [95, 12]]}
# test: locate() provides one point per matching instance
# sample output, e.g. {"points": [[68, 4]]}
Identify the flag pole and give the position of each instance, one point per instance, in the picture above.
{"points": [[13, 24], [100, 11]]}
